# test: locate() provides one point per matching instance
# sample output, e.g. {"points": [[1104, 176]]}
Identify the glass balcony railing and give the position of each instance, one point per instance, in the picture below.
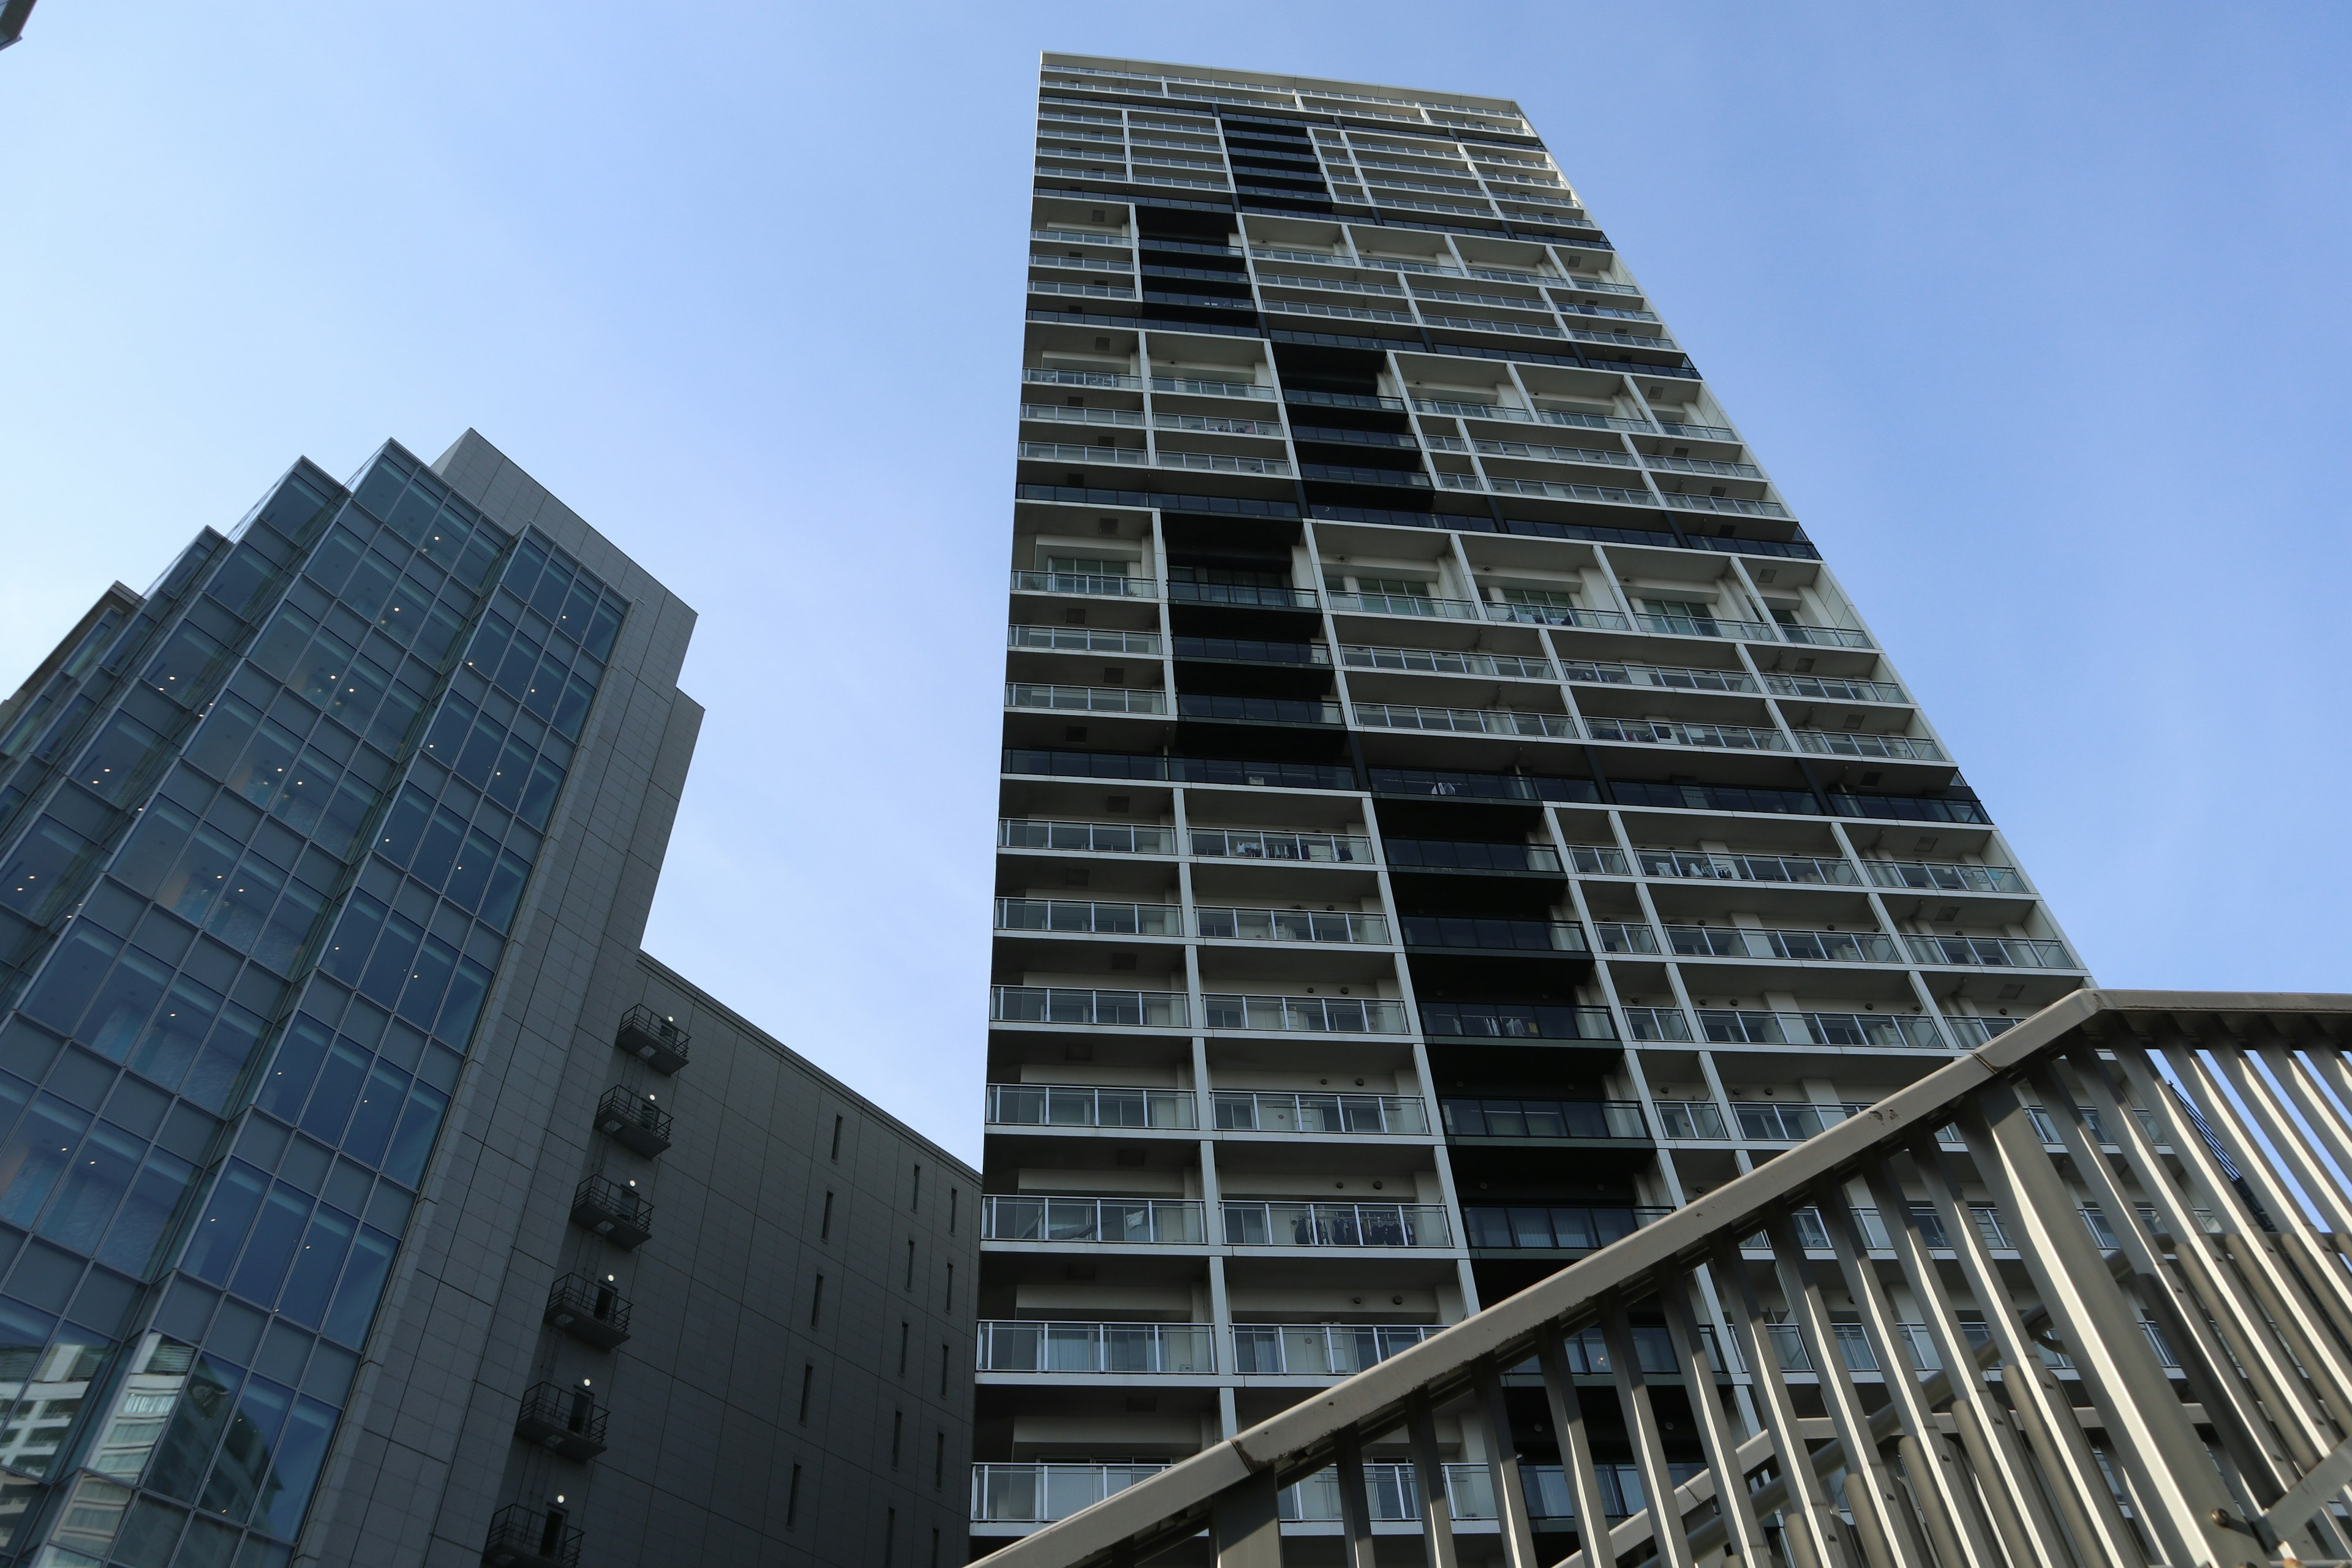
{"points": [[1039, 1494], [1676, 465], [1493, 934], [1066, 452], [1321, 1350], [1082, 378], [1790, 1123], [1072, 1005], [1657, 1023], [1242, 1111], [1253, 650], [1062, 414], [1257, 709], [1667, 678], [1671, 732], [1487, 1117], [1143, 1350], [1084, 639], [1224, 463], [1853, 743], [1085, 699], [1704, 626], [1833, 688], [1564, 1227], [1312, 1014], [1088, 291], [1516, 1021], [1087, 837], [1528, 615], [1805, 946], [1464, 721], [1299, 848], [1590, 861], [1705, 866], [1289, 925], [1391, 1494], [1699, 432], [1947, 876], [1336, 1225], [1445, 661], [1727, 1026], [1622, 936], [1992, 951], [1974, 1031], [1126, 1222], [1197, 388], [1681, 1119], [1088, 1105], [1406, 605], [1464, 854], [1084, 915], [1813, 637], [1264, 596], [1681, 501], [1095, 584]]}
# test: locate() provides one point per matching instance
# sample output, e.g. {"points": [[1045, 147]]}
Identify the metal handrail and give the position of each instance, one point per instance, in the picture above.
{"points": [[1147, 1350], [1091, 1105], [1088, 838], [1310, 1110], [1278, 1224], [1135, 1222], [1078, 1004], [1234, 924]]}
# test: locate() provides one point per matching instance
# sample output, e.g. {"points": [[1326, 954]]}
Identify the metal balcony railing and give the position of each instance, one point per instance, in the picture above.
{"points": [[1853, 743], [1683, 626], [1490, 1118], [1148, 1350], [1289, 925], [1947, 876], [1321, 1350], [1804, 946], [1516, 1021], [590, 1310], [1085, 699], [1479, 933], [1100, 584], [1955, 1453], [1657, 1023], [613, 1210], [634, 1120], [1668, 678], [1446, 661], [1992, 951], [1703, 866], [1834, 689], [1464, 721], [1673, 732], [522, 1536], [566, 1421], [1125, 1222], [1084, 639], [1313, 1015], [1553, 1227], [1243, 1110], [1470, 855], [1079, 915], [1336, 1225], [1886, 1031], [653, 1038], [1087, 1105], [1086, 837], [1078, 1004], [1300, 849]]}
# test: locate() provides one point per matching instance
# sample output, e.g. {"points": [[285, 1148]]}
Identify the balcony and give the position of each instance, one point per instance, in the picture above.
{"points": [[1253, 651], [1321, 1350], [1085, 1105], [1039, 1494], [1094, 584], [1699, 432], [1590, 861], [1944, 875], [1683, 1120], [1464, 721], [1533, 614], [1257, 709], [1254, 596], [1085, 837], [1516, 1021], [1138, 1349], [1733, 504], [1442, 661], [1066, 452], [525, 1537], [1337, 1225], [1850, 744], [1686, 465], [1059, 413], [1992, 951], [1103, 1009], [1882, 1031], [1467, 855], [1193, 388], [654, 1039], [1475, 934], [1295, 848], [1974, 1031], [1102, 379], [1588, 1120], [1080, 916], [1223, 463], [1622, 937], [1833, 688], [1289, 925], [566, 1421], [1682, 625], [1218, 424], [1085, 699], [1122, 1222], [1240, 1111], [1417, 605], [590, 1310], [1822, 637], [1084, 639], [1556, 454], [613, 1211], [1308, 1015], [1548, 488], [633, 1121], [1553, 1227], [1670, 732], [1665, 678], [1654, 1025], [1803, 946], [1798, 870]]}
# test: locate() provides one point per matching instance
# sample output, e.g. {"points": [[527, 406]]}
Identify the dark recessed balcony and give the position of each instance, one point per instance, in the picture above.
{"points": [[657, 1041], [633, 1121], [1516, 1021], [525, 1537], [590, 1310], [566, 1421], [613, 1211], [1481, 933]]}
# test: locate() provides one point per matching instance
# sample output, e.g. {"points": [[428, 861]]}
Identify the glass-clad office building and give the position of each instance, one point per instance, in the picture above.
{"points": [[337, 1097]]}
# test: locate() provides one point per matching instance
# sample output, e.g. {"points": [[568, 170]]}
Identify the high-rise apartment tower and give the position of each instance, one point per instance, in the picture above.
{"points": [[1450, 812], [367, 1196]]}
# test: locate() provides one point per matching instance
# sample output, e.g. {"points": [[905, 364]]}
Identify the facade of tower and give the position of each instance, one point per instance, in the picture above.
{"points": [[366, 1194], [1450, 813]]}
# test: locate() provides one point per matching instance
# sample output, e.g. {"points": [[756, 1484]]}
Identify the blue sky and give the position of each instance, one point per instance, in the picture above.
{"points": [[2037, 314]]}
